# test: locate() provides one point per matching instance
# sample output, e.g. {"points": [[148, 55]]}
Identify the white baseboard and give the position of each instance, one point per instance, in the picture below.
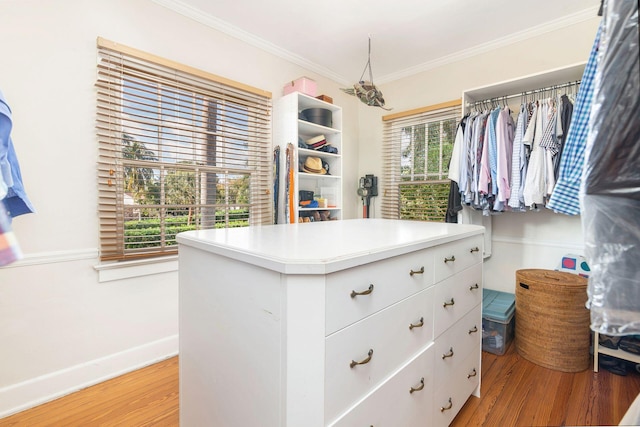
{"points": [[33, 392]]}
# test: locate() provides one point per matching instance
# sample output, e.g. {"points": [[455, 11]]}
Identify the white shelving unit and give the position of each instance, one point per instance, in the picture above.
{"points": [[511, 87], [620, 354], [288, 128]]}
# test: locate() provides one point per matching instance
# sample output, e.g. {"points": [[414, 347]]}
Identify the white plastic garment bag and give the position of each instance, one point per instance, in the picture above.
{"points": [[610, 193]]}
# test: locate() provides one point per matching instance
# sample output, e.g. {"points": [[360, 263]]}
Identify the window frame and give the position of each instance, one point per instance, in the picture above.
{"points": [[394, 180], [242, 112]]}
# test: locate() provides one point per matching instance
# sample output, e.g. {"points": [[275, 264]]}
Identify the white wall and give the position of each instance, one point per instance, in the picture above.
{"points": [[60, 329], [525, 240]]}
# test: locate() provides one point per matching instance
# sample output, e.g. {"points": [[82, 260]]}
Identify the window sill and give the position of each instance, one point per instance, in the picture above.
{"points": [[138, 268]]}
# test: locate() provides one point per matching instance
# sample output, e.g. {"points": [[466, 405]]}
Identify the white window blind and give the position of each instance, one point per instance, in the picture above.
{"points": [[417, 148], [179, 149]]}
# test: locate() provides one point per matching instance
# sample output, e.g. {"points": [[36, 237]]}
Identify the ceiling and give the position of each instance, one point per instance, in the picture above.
{"points": [[330, 37]]}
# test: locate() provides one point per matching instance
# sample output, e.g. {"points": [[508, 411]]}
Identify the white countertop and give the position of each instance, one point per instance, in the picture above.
{"points": [[324, 247]]}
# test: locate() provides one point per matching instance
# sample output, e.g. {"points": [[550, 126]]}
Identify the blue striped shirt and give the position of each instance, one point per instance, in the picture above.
{"points": [[566, 194]]}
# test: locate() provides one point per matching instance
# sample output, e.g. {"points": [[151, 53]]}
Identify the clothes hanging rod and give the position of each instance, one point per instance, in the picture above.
{"points": [[524, 93]]}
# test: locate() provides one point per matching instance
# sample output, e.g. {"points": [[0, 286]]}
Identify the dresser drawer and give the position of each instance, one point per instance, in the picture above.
{"points": [[356, 293], [450, 397], [455, 296], [381, 343], [456, 344], [406, 399], [456, 256]]}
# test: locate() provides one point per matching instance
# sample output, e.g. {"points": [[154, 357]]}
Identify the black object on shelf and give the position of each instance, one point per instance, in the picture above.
{"points": [[319, 116]]}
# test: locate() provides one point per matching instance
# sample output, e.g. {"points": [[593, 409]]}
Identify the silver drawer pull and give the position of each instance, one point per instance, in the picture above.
{"points": [[417, 325], [367, 292], [365, 361], [474, 287], [420, 387], [474, 330], [446, 408], [449, 354], [453, 258], [421, 271], [476, 249], [472, 374], [446, 304]]}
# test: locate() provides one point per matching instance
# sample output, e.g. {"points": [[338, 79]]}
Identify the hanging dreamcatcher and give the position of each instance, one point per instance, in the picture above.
{"points": [[365, 90]]}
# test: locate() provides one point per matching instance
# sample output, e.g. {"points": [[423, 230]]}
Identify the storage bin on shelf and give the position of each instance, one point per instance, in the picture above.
{"points": [[303, 85], [498, 319], [552, 322]]}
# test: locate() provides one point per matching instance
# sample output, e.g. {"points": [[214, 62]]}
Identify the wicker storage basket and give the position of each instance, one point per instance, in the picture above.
{"points": [[552, 322]]}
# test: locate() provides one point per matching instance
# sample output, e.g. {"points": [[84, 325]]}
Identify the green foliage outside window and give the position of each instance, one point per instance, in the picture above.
{"points": [[147, 232], [425, 156], [424, 202], [164, 202]]}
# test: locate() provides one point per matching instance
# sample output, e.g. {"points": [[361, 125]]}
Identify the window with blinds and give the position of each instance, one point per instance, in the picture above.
{"points": [[179, 149], [417, 148]]}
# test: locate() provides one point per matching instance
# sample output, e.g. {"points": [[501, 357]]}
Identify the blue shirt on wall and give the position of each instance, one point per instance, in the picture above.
{"points": [[12, 192]]}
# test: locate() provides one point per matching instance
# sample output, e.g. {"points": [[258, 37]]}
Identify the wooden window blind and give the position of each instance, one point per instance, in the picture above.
{"points": [[179, 149], [417, 148]]}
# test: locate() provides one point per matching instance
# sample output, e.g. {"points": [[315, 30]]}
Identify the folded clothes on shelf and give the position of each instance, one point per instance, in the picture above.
{"points": [[630, 344], [328, 149], [609, 341], [613, 364]]}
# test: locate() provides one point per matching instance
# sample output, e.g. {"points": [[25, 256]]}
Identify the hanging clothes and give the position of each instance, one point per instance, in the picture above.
{"points": [[12, 192], [466, 161], [454, 202], [565, 197], [507, 161], [504, 145], [566, 111], [13, 199], [9, 247], [456, 154], [484, 179], [518, 161], [476, 154], [535, 185], [493, 151], [549, 143]]}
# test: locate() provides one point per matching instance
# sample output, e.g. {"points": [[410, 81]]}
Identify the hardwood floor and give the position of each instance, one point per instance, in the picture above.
{"points": [[515, 392], [146, 397]]}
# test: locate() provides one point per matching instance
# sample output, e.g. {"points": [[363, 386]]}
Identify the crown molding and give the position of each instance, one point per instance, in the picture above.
{"points": [[231, 30], [556, 24], [191, 12]]}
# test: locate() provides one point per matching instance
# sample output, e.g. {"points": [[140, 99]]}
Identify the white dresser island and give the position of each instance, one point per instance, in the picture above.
{"points": [[364, 322]]}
